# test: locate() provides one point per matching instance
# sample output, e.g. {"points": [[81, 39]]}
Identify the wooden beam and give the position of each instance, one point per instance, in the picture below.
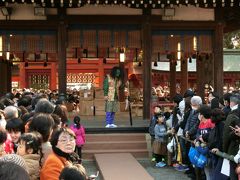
{"points": [[28, 25], [155, 20], [100, 19], [183, 25]]}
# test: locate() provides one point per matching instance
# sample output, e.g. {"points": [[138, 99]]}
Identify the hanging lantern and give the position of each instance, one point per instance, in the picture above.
{"points": [[190, 60], [179, 54], [122, 55], [155, 64], [195, 43]]}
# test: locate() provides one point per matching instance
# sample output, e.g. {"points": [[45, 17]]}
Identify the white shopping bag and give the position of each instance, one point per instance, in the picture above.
{"points": [[225, 167]]}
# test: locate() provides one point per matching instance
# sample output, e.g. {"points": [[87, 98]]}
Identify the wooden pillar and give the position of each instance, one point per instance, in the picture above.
{"points": [[3, 87], [218, 52], [6, 79], [9, 77], [121, 92], [200, 77], [172, 77], [147, 65], [184, 75], [22, 72], [101, 72], [218, 59], [62, 45], [53, 76]]}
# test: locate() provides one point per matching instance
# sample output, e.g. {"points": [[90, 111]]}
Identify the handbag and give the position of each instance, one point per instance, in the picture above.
{"points": [[193, 155], [196, 158], [202, 161], [171, 145]]}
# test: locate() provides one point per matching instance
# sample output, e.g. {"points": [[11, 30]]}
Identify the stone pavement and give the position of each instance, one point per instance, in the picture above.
{"points": [[166, 173]]}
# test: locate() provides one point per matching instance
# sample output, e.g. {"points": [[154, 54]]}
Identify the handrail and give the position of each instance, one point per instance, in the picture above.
{"points": [[218, 153]]}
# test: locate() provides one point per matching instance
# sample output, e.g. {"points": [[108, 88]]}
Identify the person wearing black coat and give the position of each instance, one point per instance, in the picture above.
{"points": [[230, 139], [215, 140]]}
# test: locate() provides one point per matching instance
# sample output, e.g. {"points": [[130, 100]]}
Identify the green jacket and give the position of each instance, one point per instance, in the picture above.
{"points": [[111, 88]]}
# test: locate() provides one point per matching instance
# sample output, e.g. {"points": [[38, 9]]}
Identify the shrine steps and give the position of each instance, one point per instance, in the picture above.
{"points": [[133, 143]]}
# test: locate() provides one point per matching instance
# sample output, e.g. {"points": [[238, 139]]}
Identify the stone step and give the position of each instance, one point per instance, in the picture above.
{"points": [[115, 145], [134, 143], [137, 153], [115, 137], [121, 166]]}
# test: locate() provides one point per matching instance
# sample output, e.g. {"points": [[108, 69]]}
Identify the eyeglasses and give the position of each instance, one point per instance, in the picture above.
{"points": [[65, 140]]}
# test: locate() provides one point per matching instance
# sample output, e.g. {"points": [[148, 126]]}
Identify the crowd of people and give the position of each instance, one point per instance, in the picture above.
{"points": [[190, 137], [36, 139]]}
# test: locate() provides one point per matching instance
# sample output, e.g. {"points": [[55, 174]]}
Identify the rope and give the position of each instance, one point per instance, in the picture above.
{"points": [[218, 153]]}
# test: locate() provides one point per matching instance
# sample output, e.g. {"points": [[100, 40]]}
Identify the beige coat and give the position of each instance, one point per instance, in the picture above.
{"points": [[33, 167], [46, 150]]}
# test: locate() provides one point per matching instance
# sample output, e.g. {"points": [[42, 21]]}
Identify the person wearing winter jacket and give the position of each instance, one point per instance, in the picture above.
{"points": [[79, 132]]}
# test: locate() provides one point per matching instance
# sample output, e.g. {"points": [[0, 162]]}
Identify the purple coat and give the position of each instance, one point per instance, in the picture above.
{"points": [[80, 134]]}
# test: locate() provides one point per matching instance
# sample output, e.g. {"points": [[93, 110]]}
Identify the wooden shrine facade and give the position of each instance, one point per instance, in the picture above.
{"points": [[67, 42]]}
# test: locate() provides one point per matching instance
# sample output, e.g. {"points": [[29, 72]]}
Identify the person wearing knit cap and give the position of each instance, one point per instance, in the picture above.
{"points": [[14, 158], [12, 171]]}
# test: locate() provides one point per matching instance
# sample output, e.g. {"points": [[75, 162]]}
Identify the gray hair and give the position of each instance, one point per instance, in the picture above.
{"points": [[235, 99], [44, 106], [196, 101], [10, 112]]}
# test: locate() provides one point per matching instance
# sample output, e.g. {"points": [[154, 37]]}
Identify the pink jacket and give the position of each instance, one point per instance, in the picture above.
{"points": [[80, 134]]}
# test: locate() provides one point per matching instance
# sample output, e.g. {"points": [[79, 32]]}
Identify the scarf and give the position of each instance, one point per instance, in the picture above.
{"points": [[59, 152], [72, 157]]}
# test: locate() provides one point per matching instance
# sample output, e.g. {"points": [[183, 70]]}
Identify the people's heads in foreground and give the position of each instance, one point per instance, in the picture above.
{"points": [[73, 172], [12, 171]]}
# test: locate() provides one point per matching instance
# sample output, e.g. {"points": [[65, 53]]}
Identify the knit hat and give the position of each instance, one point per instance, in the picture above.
{"points": [[14, 158]]}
